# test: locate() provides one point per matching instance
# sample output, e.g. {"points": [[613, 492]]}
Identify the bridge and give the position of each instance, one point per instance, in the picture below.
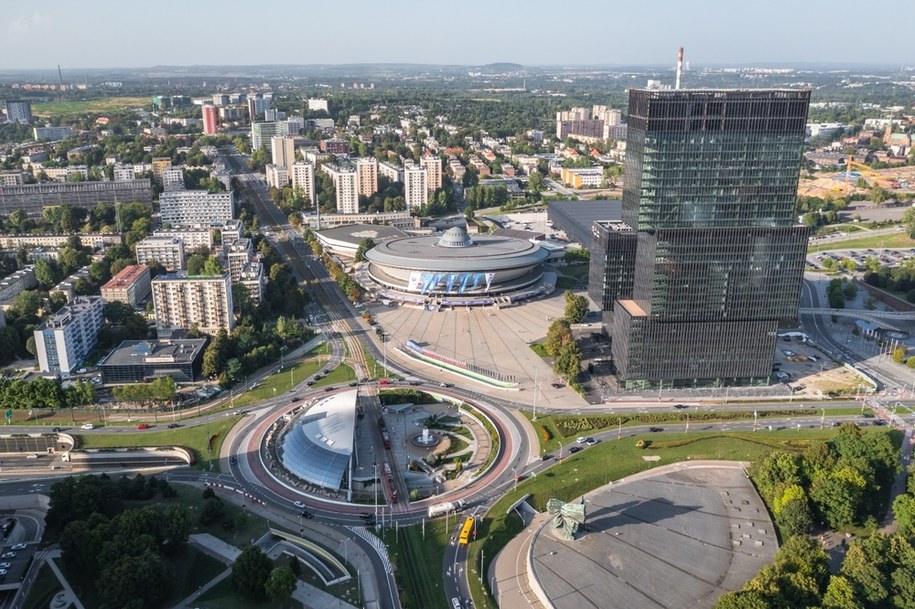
{"points": [[872, 316]]}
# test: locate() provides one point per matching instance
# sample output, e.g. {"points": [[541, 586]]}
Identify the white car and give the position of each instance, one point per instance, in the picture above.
{"points": [[581, 439], [88, 426], [299, 505]]}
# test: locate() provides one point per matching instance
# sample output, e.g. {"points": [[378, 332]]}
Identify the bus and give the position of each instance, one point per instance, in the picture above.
{"points": [[467, 531]]}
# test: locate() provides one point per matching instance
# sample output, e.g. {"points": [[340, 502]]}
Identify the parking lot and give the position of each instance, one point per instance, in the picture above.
{"points": [[887, 257]]}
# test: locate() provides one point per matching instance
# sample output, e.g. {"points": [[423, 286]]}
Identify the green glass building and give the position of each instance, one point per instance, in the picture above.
{"points": [[710, 190]]}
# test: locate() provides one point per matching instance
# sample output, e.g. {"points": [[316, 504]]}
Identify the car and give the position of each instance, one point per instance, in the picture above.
{"points": [[306, 515], [310, 383], [81, 371], [590, 441], [655, 429], [354, 384], [142, 426], [546, 457], [581, 439], [174, 425], [8, 555], [55, 429], [5, 565], [294, 400], [88, 426], [233, 460], [3, 572], [331, 388], [299, 505], [680, 406], [574, 449], [32, 456], [367, 516], [557, 385], [18, 546]]}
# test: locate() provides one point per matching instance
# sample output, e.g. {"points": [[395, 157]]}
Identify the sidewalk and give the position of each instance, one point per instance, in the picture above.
{"points": [[63, 580], [508, 575]]}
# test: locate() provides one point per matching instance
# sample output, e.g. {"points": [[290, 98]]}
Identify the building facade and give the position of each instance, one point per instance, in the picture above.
{"points": [[302, 176], [612, 265], [415, 191], [33, 198], [433, 167], [49, 134], [282, 149], [19, 111], [140, 361], [367, 176], [711, 183], [66, 338], [131, 286], [18, 282], [196, 207], [183, 302], [167, 251], [210, 120]]}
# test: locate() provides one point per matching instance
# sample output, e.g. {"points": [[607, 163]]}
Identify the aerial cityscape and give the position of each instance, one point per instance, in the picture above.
{"points": [[425, 324]]}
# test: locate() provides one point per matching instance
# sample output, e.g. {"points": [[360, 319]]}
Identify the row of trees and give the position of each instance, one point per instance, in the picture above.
{"points": [[349, 285], [44, 393], [160, 390], [899, 279], [838, 290]]}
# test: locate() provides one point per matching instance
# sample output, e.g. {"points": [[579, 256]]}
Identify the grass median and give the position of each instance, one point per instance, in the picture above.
{"points": [[895, 240]]}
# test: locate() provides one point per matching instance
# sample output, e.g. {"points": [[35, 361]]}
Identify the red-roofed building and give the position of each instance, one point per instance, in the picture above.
{"points": [[132, 285]]}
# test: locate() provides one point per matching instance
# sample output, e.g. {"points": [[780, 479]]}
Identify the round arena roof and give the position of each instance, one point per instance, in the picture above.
{"points": [[455, 251], [319, 445]]}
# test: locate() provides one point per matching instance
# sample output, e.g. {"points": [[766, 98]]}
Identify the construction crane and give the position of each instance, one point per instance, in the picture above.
{"points": [[865, 170]]}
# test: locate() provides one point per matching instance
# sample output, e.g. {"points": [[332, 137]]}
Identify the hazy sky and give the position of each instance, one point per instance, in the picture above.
{"points": [[129, 33]]}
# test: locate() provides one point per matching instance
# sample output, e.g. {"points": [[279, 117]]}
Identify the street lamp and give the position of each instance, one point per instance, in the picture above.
{"points": [[823, 418], [560, 451], [515, 476], [619, 428], [687, 422]]}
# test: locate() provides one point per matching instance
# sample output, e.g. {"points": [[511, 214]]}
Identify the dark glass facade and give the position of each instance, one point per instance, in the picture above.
{"points": [[711, 183], [612, 265]]}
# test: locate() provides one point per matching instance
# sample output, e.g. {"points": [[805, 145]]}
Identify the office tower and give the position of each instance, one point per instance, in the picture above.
{"points": [[19, 111], [367, 176], [415, 192], [66, 338], [210, 119], [195, 207], [433, 167], [711, 182], [282, 149], [302, 176], [183, 302]]}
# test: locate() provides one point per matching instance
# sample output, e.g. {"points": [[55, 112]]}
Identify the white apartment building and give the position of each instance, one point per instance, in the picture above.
{"points": [[282, 148], [122, 173], [67, 337], [193, 237], [346, 187], [172, 179], [183, 302], [238, 255], [415, 190], [315, 104], [433, 167], [252, 277], [391, 171], [277, 176], [167, 251], [18, 282], [367, 176], [303, 176], [11, 178], [195, 207]]}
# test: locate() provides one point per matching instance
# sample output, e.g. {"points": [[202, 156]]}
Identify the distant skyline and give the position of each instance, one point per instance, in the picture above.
{"points": [[118, 34]]}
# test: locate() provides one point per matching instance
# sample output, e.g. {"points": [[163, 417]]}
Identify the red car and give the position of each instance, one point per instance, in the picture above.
{"points": [[143, 426]]}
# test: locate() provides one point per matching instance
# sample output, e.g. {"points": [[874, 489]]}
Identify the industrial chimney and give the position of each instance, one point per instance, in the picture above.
{"points": [[679, 67]]}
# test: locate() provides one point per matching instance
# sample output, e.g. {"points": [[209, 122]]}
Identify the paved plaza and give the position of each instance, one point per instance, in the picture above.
{"points": [[678, 537]]}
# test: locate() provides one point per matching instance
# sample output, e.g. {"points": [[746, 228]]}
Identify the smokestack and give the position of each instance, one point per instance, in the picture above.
{"points": [[679, 67]]}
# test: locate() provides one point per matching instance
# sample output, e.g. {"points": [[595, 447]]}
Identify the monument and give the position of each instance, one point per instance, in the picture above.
{"points": [[567, 517]]}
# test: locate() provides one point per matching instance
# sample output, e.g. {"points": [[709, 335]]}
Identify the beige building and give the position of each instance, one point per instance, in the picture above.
{"points": [[183, 302], [415, 191], [132, 285], [283, 151], [433, 167], [367, 176], [158, 167], [303, 176], [277, 176], [346, 187]]}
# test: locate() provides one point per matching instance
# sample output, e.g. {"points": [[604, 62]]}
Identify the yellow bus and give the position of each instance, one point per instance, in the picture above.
{"points": [[467, 531]]}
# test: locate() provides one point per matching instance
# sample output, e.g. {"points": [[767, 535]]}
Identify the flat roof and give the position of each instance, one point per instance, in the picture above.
{"points": [[127, 276], [355, 233], [318, 446], [633, 308], [577, 217], [151, 352]]}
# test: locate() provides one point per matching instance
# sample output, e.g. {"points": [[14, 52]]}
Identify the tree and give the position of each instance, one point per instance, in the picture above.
{"points": [[250, 572], [557, 335], [568, 362], [364, 246], [866, 567], [899, 354], [840, 594], [904, 509], [576, 307], [10, 343], [280, 584], [46, 273], [212, 267]]}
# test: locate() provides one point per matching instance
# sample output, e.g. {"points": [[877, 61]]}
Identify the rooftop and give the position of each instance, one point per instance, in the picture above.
{"points": [[142, 352], [319, 445], [127, 276]]}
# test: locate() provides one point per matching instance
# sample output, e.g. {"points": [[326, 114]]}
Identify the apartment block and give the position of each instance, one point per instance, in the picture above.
{"points": [[33, 198], [346, 187], [11, 177], [252, 277], [67, 287], [183, 302], [18, 282], [433, 167], [210, 120], [315, 105], [415, 182], [282, 148], [335, 146], [277, 176], [172, 179], [93, 240], [238, 255], [193, 237], [195, 207], [167, 251], [50, 134], [391, 171], [303, 176], [132, 285], [158, 166], [19, 111], [367, 176], [66, 338]]}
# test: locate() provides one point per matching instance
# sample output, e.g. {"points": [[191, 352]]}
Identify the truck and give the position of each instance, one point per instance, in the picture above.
{"points": [[449, 507]]}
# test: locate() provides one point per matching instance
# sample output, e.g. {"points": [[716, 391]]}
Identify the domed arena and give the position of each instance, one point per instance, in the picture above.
{"points": [[455, 269]]}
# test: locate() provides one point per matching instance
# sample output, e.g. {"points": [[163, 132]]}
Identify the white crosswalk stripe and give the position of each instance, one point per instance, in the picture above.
{"points": [[377, 544]]}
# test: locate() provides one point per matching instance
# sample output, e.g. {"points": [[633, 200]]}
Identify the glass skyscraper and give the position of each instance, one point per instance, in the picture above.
{"points": [[710, 189]]}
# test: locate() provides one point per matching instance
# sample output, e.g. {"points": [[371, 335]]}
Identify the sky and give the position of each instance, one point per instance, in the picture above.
{"points": [[129, 33]]}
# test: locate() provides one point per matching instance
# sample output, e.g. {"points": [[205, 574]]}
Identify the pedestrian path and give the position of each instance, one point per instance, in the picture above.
{"points": [[377, 544], [63, 580]]}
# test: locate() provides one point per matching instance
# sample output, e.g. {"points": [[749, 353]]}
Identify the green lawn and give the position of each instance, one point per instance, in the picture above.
{"points": [[89, 106], [43, 590], [190, 571], [611, 460], [419, 562], [539, 349], [894, 241], [280, 382], [240, 536], [340, 374], [195, 438]]}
